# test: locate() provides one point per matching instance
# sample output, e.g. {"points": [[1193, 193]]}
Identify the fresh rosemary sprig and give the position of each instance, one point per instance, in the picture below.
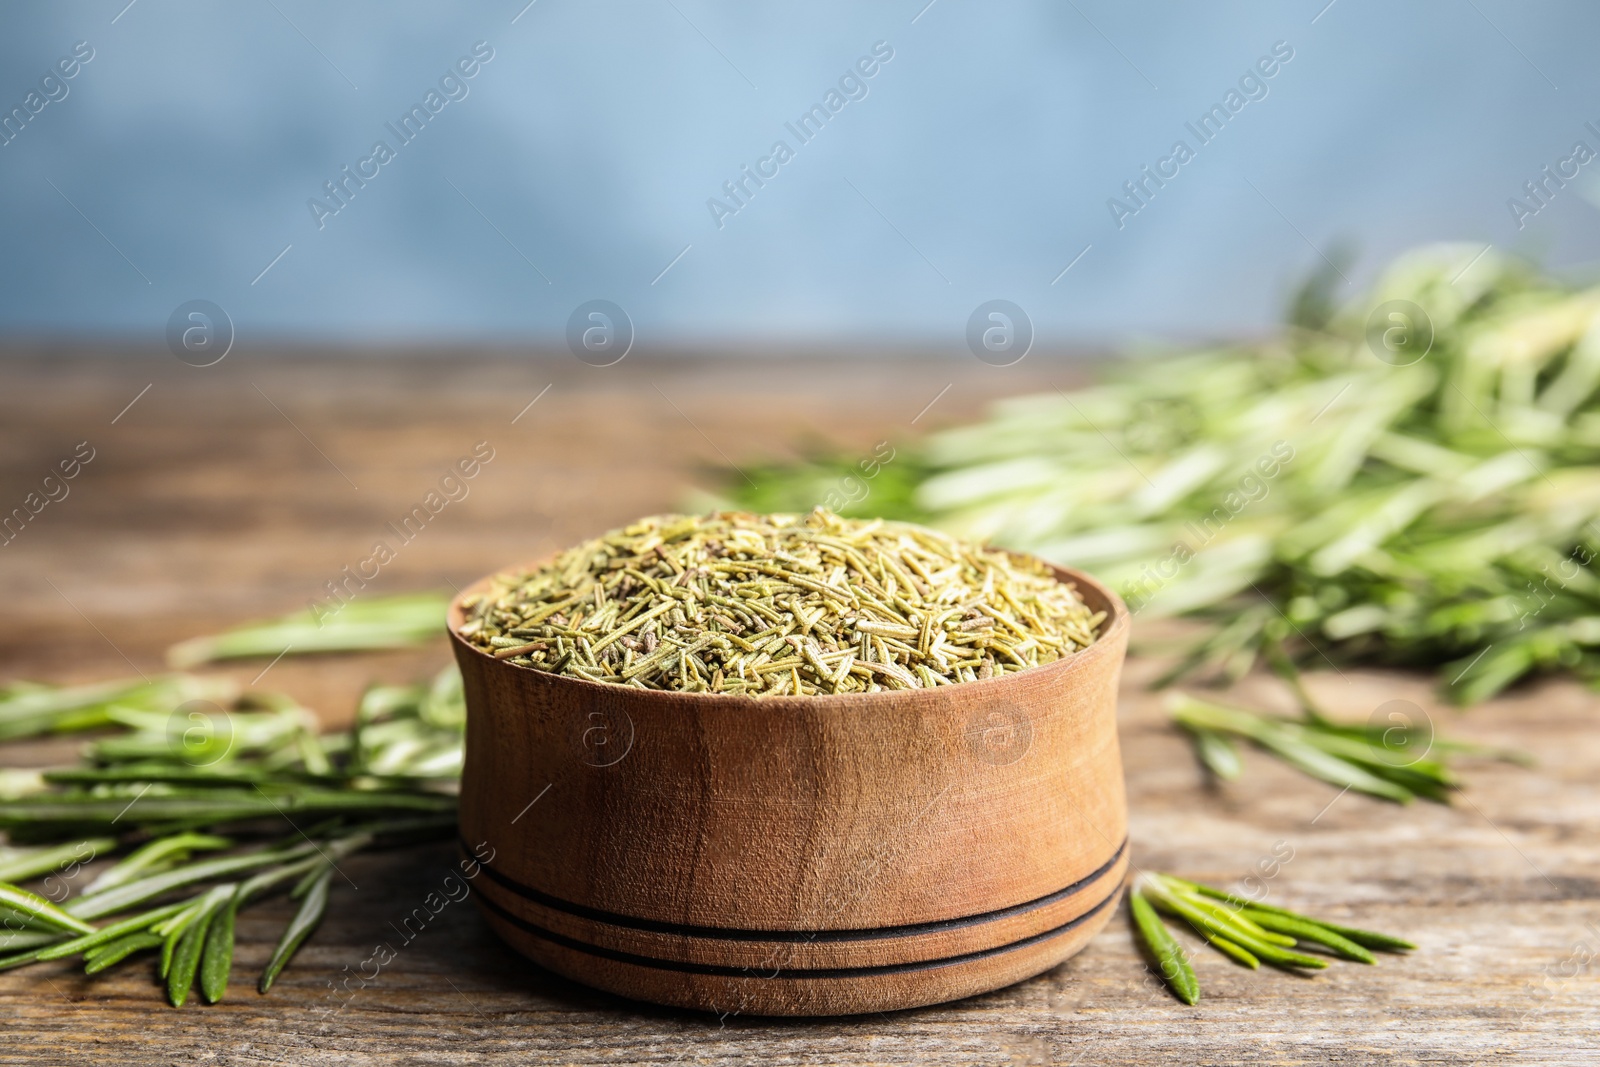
{"points": [[358, 625], [1247, 932], [30, 709], [1398, 763], [193, 798], [1413, 480]]}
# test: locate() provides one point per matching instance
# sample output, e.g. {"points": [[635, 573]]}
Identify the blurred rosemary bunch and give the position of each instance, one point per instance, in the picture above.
{"points": [[355, 626], [1395, 757], [1411, 480]]}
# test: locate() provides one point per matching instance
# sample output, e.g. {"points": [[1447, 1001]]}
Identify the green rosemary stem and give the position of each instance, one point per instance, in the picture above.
{"points": [[1246, 932], [1170, 961], [361, 625]]}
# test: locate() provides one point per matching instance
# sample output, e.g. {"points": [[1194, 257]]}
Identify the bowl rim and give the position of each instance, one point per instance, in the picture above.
{"points": [[1111, 629]]}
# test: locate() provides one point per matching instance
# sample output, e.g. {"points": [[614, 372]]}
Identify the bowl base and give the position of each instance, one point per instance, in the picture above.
{"points": [[813, 974]]}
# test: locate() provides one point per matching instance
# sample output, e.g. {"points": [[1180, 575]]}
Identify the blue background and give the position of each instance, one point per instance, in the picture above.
{"points": [[978, 166]]}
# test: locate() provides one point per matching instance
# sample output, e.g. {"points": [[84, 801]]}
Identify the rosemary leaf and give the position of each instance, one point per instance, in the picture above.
{"points": [[1205, 921], [360, 625], [155, 856], [136, 892], [217, 958], [116, 951], [1241, 920], [1333, 770], [184, 933], [1167, 955], [21, 959], [15, 940], [185, 958], [1349, 757], [216, 807], [47, 709], [91, 942], [19, 865], [1219, 754], [1228, 948], [38, 908], [299, 928], [1366, 938], [1307, 930]]}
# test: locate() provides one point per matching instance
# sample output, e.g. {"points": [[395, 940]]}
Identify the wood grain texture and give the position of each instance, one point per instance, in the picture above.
{"points": [[205, 506], [826, 855]]}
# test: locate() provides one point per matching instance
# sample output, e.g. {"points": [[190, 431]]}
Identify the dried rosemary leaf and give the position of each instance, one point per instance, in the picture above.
{"points": [[764, 605]]}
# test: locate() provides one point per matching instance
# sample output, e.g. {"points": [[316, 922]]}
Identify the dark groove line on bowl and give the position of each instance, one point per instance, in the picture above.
{"points": [[724, 971], [726, 933]]}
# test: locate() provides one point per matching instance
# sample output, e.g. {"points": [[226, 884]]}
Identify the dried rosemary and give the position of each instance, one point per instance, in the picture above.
{"points": [[780, 604]]}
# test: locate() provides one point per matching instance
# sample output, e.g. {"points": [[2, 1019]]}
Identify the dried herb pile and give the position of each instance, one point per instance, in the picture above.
{"points": [[780, 604]]}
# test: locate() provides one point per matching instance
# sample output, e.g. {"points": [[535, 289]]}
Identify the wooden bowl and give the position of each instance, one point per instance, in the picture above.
{"points": [[802, 855]]}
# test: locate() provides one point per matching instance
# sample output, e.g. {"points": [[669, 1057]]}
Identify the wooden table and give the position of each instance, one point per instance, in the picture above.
{"points": [[235, 491]]}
